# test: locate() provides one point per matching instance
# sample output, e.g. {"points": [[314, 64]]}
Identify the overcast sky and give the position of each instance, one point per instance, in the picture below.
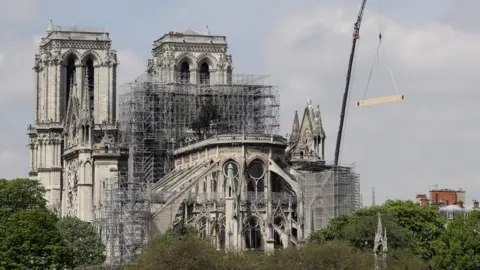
{"points": [[401, 149]]}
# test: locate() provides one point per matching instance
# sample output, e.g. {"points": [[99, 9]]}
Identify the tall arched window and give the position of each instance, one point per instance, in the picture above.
{"points": [[185, 72], [255, 186], [89, 80], [70, 81], [252, 233], [204, 74]]}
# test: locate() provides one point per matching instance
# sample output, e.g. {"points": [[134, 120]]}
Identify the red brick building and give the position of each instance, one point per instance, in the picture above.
{"points": [[442, 197]]}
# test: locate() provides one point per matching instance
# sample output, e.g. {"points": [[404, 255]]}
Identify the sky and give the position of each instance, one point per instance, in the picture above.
{"points": [[431, 46]]}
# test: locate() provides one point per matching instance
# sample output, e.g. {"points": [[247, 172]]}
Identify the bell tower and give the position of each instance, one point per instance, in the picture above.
{"points": [[191, 57], [73, 138]]}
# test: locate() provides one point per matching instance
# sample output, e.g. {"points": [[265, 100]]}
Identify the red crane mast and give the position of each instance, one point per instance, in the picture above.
{"points": [[356, 36]]}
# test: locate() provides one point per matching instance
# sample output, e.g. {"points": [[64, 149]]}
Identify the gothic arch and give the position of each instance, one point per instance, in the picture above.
{"points": [[257, 158], [90, 54], [88, 172], [253, 229], [246, 218], [230, 158], [71, 52], [256, 177], [207, 58], [220, 228], [189, 58]]}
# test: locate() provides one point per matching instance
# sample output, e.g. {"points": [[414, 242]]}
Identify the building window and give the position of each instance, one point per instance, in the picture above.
{"points": [[204, 74], [185, 73], [449, 215]]}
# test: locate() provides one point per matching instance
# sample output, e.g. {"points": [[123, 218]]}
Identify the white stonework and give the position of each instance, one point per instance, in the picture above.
{"points": [[193, 54], [307, 140], [73, 138], [237, 190]]}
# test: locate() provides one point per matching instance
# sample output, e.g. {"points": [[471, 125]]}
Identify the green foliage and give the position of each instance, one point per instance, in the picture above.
{"points": [[84, 244], [31, 234], [410, 227], [422, 222], [166, 251], [180, 251], [458, 247], [20, 194]]}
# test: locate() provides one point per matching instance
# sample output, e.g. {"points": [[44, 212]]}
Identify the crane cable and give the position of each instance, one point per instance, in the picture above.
{"points": [[376, 59]]}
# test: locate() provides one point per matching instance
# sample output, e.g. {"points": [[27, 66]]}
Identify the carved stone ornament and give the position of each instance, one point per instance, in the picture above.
{"points": [[72, 188], [221, 62]]}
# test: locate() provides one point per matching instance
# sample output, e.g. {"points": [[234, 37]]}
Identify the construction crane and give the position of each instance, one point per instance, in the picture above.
{"points": [[356, 36]]}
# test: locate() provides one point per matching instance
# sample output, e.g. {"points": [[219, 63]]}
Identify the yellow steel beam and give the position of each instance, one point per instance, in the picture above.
{"points": [[374, 101]]}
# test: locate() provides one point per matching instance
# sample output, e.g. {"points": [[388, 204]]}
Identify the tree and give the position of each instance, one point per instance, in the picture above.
{"points": [[28, 237], [83, 242], [359, 230], [458, 247], [184, 251], [28, 233], [410, 227], [423, 222], [187, 251], [20, 194]]}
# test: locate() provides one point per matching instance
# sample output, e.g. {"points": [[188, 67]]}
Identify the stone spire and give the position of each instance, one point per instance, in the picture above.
{"points": [[295, 136], [380, 246]]}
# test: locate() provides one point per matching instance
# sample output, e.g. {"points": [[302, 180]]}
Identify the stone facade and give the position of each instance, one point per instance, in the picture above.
{"points": [[73, 138], [230, 187], [307, 140], [257, 191], [191, 57]]}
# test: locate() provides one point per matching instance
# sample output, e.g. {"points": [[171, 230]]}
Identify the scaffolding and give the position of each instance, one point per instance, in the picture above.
{"points": [[329, 193], [125, 220], [157, 113]]}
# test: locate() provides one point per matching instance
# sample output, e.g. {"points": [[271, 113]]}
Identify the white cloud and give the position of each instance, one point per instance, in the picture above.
{"points": [[400, 148]]}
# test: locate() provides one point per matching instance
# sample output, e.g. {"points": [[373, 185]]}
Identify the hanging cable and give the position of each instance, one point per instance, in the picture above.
{"points": [[378, 53]]}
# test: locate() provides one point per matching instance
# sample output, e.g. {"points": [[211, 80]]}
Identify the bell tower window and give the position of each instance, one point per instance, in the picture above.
{"points": [[185, 72], [204, 74], [70, 82], [89, 80]]}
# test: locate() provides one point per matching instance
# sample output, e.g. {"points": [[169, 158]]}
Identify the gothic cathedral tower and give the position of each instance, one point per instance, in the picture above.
{"points": [[73, 140]]}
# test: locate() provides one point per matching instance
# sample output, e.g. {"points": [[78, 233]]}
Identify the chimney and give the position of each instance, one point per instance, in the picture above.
{"points": [[460, 204], [475, 204]]}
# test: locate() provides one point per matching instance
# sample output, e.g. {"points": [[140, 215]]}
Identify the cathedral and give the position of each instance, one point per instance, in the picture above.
{"points": [[75, 118], [200, 143]]}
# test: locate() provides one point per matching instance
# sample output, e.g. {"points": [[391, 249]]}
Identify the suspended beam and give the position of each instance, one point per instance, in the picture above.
{"points": [[380, 100]]}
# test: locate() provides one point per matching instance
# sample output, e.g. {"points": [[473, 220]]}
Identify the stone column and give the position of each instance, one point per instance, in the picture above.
{"points": [[269, 241], [58, 83], [37, 161], [193, 75], [34, 156], [45, 93], [40, 154]]}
